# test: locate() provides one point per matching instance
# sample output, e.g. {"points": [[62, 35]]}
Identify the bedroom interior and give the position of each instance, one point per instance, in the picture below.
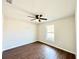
{"points": [[39, 29]]}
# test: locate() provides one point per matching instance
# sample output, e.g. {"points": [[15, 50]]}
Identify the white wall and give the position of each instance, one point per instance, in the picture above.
{"points": [[17, 33], [64, 34]]}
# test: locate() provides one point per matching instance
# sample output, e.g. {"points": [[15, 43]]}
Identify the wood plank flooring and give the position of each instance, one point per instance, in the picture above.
{"points": [[36, 50]]}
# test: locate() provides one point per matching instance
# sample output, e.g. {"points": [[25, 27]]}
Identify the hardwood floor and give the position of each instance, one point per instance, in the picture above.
{"points": [[36, 50]]}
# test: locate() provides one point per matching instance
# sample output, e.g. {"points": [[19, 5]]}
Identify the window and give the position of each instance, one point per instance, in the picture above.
{"points": [[50, 32]]}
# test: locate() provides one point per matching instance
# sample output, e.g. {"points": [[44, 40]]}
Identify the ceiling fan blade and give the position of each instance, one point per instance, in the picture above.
{"points": [[43, 18], [31, 17]]}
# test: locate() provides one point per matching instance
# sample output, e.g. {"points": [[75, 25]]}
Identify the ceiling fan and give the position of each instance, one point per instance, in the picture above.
{"points": [[37, 17]]}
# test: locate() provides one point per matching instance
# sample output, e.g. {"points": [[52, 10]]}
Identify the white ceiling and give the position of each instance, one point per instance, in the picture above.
{"points": [[51, 9]]}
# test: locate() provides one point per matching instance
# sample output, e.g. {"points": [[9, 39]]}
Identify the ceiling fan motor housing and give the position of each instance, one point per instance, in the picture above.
{"points": [[38, 16]]}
